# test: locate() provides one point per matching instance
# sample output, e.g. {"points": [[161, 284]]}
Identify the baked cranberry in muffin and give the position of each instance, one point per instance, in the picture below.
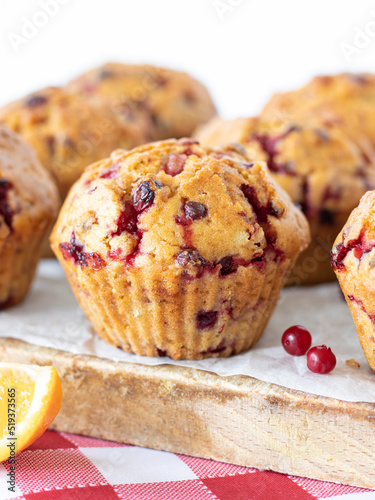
{"points": [[186, 264]]}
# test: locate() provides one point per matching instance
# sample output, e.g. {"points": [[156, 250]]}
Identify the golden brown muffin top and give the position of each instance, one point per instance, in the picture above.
{"points": [[67, 132], [175, 203], [320, 167], [28, 194], [321, 89], [346, 100], [175, 102]]}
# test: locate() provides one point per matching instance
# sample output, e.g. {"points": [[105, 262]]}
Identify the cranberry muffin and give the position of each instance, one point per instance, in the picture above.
{"points": [[174, 102], [353, 259], [69, 133], [177, 250], [321, 169], [28, 206], [346, 100]]}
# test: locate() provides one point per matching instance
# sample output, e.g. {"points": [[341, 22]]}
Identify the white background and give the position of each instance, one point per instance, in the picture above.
{"points": [[243, 53]]}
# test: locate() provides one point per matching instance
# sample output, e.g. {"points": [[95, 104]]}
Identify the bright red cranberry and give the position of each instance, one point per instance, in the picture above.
{"points": [[74, 250], [340, 251], [296, 340], [261, 211], [320, 359], [194, 210], [143, 196], [36, 100], [174, 164], [110, 173], [206, 320], [5, 209], [127, 220]]}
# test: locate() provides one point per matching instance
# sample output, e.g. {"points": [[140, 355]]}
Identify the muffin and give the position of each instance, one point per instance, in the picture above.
{"points": [[69, 133], [353, 259], [28, 206], [175, 102], [321, 169], [346, 100], [177, 250]]}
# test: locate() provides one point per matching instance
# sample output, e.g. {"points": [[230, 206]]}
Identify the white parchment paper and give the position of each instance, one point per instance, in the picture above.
{"points": [[51, 317]]}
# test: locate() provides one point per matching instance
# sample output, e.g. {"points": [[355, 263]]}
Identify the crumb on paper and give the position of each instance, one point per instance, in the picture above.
{"points": [[352, 362]]}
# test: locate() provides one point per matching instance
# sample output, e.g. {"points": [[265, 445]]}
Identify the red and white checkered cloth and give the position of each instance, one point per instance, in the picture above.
{"points": [[61, 466]]}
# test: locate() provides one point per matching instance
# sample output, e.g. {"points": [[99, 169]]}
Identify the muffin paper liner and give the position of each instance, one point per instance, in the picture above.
{"points": [[139, 312]]}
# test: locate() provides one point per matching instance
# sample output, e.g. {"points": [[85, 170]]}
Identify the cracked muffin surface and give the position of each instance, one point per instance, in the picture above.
{"points": [[173, 101], [28, 206], [178, 250], [353, 259], [320, 168]]}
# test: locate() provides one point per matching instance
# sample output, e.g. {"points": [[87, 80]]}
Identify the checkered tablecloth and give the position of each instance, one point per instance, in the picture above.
{"points": [[61, 466]]}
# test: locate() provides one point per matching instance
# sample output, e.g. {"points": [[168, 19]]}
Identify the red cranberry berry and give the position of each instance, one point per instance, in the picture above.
{"points": [[127, 220], [340, 251], [143, 196], [110, 173], [261, 211], [206, 320], [296, 340], [320, 359], [174, 164], [75, 251], [195, 210]]}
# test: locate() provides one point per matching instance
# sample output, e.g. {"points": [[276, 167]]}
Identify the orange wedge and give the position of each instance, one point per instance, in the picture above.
{"points": [[30, 398]]}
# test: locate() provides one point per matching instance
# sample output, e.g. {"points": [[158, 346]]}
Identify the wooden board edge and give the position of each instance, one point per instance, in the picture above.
{"points": [[237, 420]]}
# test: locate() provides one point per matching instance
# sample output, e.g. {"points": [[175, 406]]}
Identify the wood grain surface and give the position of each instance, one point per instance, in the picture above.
{"points": [[237, 419]]}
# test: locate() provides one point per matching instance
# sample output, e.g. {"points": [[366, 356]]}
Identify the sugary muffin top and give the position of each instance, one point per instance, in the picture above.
{"points": [[320, 167], [28, 193], [175, 203], [67, 132], [176, 102]]}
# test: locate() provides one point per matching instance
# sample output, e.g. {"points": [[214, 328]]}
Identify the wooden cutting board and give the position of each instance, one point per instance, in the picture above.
{"points": [[237, 419]]}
